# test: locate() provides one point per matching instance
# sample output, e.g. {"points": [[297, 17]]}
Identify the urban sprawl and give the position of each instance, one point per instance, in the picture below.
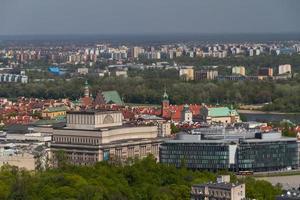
{"points": [[102, 126]]}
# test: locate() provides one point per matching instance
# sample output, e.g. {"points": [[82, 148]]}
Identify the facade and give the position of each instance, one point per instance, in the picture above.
{"points": [[267, 153], [187, 73], [119, 73], [94, 136], [239, 70], [219, 115], [284, 69], [222, 190], [206, 75], [265, 72], [186, 115], [91, 120], [11, 78], [136, 51], [54, 112]]}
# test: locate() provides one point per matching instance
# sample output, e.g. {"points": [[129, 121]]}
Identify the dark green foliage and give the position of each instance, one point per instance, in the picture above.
{"points": [[144, 179], [261, 190], [174, 129], [284, 95]]}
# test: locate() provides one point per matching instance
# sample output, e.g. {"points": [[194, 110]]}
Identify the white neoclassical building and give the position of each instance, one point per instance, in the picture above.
{"points": [[92, 136]]}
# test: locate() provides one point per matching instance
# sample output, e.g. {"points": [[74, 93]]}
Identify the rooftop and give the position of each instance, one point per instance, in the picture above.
{"points": [[92, 112], [221, 111], [224, 186], [112, 97]]}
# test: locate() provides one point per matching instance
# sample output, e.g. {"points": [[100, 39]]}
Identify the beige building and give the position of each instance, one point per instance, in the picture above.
{"points": [[222, 190], [222, 115], [284, 69], [186, 114], [187, 73], [93, 136], [239, 70]]}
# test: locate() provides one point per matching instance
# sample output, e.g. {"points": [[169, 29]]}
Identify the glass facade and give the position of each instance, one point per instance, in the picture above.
{"points": [[267, 156], [210, 156], [249, 156]]}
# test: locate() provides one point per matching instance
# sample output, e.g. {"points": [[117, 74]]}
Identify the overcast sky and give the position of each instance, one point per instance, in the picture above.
{"points": [[148, 16]]}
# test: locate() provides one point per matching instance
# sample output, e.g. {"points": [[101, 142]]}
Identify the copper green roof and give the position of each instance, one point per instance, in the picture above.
{"points": [[112, 97], [76, 102], [221, 112]]}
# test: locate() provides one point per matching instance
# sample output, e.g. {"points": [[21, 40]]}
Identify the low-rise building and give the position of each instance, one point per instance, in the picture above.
{"points": [[284, 69], [187, 73], [220, 190], [239, 70], [265, 71], [11, 78], [54, 112], [219, 115], [206, 74], [235, 152]]}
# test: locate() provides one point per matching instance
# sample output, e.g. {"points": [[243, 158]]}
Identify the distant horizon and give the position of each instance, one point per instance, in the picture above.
{"points": [[154, 33], [156, 37]]}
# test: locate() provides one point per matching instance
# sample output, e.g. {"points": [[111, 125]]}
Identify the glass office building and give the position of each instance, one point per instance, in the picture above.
{"points": [[256, 154], [267, 155], [209, 155]]}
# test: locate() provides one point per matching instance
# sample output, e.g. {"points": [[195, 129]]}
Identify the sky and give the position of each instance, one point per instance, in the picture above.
{"points": [[55, 17]]}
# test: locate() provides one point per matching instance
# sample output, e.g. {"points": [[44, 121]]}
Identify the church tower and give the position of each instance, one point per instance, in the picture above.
{"points": [[86, 89], [165, 108], [87, 98], [186, 115]]}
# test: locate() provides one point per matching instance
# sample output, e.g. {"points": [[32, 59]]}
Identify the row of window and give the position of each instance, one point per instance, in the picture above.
{"points": [[80, 119], [76, 140]]}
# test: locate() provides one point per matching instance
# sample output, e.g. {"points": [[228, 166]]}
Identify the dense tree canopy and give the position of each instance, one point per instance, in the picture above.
{"points": [[148, 88], [143, 179]]}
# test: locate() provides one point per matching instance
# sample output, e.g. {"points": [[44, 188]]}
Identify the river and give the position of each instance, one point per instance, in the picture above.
{"points": [[270, 117]]}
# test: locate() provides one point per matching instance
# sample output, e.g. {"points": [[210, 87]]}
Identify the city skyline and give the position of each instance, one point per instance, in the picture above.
{"points": [[33, 17]]}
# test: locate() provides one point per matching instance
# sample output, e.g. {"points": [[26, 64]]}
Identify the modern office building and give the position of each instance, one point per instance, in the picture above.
{"points": [[92, 136], [221, 190], [263, 152]]}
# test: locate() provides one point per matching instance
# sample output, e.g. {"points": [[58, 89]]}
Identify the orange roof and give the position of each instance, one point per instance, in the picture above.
{"points": [[175, 111]]}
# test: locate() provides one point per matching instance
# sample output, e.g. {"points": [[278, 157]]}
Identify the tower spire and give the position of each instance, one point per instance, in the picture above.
{"points": [[165, 96], [86, 89]]}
